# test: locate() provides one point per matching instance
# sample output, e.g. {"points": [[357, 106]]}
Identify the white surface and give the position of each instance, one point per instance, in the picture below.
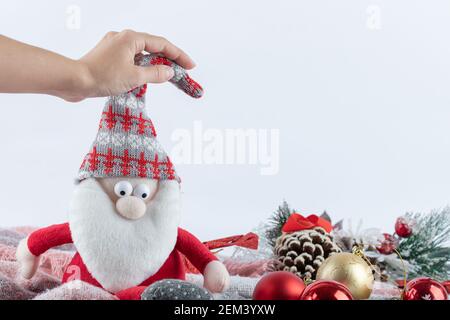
{"points": [[363, 114]]}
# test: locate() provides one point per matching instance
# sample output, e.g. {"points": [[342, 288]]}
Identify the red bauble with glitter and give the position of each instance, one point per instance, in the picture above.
{"points": [[446, 284], [279, 285], [388, 245], [326, 290], [403, 227], [424, 289]]}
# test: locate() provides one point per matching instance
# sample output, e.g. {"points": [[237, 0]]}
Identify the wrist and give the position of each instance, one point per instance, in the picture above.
{"points": [[78, 84]]}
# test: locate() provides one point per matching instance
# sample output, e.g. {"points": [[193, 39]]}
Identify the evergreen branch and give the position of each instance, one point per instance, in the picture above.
{"points": [[276, 222], [427, 250]]}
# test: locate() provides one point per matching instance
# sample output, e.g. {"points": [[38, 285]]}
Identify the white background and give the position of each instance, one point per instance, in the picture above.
{"points": [[363, 114]]}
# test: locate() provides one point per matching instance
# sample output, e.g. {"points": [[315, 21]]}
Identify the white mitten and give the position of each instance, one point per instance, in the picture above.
{"points": [[28, 262], [216, 277]]}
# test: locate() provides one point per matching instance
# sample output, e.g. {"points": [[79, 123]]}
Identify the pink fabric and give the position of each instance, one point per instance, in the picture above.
{"points": [[75, 290], [247, 269], [53, 262]]}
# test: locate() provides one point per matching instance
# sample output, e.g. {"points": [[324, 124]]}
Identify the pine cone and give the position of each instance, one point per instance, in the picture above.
{"points": [[303, 252]]}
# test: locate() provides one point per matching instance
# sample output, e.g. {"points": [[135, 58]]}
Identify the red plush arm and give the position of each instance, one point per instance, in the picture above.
{"points": [[194, 250], [43, 239]]}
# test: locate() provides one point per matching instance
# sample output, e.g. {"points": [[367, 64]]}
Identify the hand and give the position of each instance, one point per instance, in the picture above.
{"points": [[28, 263], [216, 277], [109, 68]]}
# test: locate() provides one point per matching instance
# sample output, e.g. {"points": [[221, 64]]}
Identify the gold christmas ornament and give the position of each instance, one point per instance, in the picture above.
{"points": [[351, 270]]}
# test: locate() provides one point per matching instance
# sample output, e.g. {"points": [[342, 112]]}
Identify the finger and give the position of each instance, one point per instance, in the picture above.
{"points": [[154, 74], [155, 44], [110, 34]]}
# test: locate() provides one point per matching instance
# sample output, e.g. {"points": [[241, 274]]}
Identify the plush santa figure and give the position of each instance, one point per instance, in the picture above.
{"points": [[125, 211]]}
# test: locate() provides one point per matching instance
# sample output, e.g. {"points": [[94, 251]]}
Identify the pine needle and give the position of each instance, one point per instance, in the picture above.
{"points": [[427, 250], [276, 222]]}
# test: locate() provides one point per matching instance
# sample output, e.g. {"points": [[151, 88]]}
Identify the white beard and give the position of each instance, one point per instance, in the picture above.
{"points": [[121, 253]]}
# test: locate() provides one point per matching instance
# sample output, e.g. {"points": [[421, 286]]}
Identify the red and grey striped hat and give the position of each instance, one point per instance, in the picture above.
{"points": [[126, 144]]}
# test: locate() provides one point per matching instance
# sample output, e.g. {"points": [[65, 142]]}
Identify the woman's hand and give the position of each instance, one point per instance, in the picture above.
{"points": [[108, 69]]}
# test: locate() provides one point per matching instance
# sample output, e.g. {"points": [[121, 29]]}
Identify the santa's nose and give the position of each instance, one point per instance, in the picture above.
{"points": [[131, 207]]}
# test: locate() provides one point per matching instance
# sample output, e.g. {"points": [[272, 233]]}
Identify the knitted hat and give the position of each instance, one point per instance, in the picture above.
{"points": [[126, 144]]}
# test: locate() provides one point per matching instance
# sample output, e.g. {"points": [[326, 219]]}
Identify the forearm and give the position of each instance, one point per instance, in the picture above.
{"points": [[28, 69]]}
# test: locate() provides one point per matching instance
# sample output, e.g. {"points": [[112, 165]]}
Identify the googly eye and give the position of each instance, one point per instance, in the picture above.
{"points": [[142, 191], [123, 189]]}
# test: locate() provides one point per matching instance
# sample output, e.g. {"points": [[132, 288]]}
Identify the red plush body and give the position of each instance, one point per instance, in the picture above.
{"points": [[174, 268]]}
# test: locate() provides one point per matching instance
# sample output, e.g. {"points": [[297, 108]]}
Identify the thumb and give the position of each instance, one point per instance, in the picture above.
{"points": [[155, 74]]}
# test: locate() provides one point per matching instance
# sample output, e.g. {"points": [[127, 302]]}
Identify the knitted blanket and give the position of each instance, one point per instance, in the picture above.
{"points": [[46, 284]]}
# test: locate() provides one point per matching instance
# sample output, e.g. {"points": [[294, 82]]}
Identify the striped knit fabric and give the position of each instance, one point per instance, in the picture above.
{"points": [[126, 144]]}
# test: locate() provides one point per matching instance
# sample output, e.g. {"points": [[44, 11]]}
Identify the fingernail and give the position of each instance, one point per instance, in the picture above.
{"points": [[170, 73]]}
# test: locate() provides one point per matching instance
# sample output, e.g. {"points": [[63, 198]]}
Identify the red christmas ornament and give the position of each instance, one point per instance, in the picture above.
{"points": [[279, 285], [447, 285], [424, 289], [326, 290], [403, 228], [388, 245]]}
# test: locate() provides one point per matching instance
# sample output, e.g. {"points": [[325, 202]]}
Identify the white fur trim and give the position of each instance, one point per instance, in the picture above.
{"points": [[216, 277], [122, 253], [28, 262]]}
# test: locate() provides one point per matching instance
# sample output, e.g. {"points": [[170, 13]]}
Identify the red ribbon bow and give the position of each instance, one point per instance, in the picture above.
{"points": [[297, 222], [249, 240]]}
